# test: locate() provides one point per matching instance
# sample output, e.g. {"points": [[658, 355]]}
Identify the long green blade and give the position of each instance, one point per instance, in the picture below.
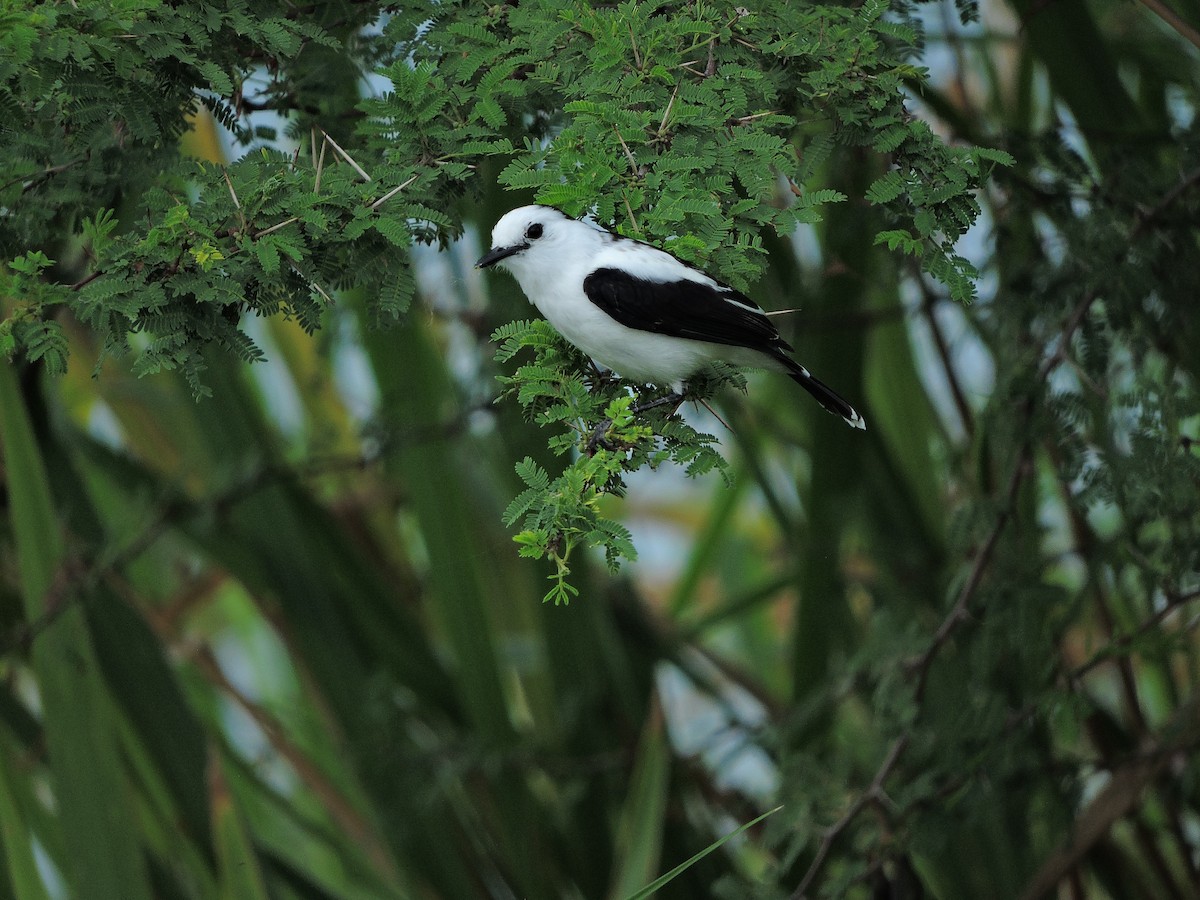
{"points": [[640, 830], [23, 877], [95, 809], [682, 867]]}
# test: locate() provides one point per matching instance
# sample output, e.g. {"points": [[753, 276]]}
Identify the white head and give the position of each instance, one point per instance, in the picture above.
{"points": [[533, 241]]}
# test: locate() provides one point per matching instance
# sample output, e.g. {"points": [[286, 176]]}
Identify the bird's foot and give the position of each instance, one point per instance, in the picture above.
{"points": [[673, 399], [599, 438], [601, 377]]}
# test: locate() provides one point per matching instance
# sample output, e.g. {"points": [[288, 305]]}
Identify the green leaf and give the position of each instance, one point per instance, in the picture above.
{"points": [[15, 831], [900, 240], [241, 877], [103, 853], [887, 187], [30, 263], [638, 840], [532, 474], [663, 880]]}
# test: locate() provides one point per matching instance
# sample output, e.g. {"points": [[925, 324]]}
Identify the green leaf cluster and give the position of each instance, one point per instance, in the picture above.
{"points": [[703, 127], [603, 436], [253, 649], [677, 122], [700, 127], [161, 253]]}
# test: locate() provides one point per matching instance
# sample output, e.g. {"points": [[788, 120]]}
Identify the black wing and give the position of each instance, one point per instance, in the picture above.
{"points": [[686, 309]]}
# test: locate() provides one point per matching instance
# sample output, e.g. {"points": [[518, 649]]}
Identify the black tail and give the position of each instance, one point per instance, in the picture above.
{"points": [[825, 395]]}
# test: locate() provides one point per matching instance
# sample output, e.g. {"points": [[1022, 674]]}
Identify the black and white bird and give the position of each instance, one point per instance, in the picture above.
{"points": [[638, 310]]}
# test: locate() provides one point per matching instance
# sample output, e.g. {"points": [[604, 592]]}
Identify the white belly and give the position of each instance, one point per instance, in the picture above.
{"points": [[637, 355]]}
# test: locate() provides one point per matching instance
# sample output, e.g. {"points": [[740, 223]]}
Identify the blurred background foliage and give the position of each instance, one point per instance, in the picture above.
{"points": [[275, 643]]}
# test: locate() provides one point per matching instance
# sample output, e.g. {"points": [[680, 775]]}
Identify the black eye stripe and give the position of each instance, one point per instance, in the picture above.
{"points": [[534, 231]]}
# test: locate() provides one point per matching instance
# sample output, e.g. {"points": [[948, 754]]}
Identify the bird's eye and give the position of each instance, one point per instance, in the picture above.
{"points": [[534, 231]]}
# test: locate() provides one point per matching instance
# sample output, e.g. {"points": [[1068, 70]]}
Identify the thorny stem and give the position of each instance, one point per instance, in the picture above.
{"points": [[346, 156]]}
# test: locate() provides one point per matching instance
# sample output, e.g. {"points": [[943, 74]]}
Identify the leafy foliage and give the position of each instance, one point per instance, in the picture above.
{"points": [[678, 124], [97, 98], [693, 125], [609, 439], [253, 647]]}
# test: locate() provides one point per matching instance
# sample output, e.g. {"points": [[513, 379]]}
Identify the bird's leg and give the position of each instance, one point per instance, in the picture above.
{"points": [[599, 435], [601, 377], [673, 399], [598, 439]]}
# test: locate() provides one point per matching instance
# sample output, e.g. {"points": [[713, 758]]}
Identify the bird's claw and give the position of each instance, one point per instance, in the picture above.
{"points": [[599, 438], [601, 377]]}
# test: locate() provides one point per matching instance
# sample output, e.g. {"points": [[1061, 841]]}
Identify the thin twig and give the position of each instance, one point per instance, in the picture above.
{"points": [[834, 831], [316, 287], [393, 192], [340, 809], [943, 351], [80, 570], [662, 126], [1105, 809], [76, 571], [715, 415], [961, 610], [632, 218], [1127, 640], [1054, 360], [628, 154], [1117, 798], [1187, 183], [86, 280], [320, 167], [742, 120], [1144, 220], [320, 290], [1086, 542], [1168, 15], [236, 203], [283, 224], [346, 156], [921, 666], [38, 177]]}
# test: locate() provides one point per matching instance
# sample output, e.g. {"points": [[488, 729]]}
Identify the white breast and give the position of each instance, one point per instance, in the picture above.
{"points": [[555, 287]]}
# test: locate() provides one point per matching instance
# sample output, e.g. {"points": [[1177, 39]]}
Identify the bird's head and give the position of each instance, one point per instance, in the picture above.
{"points": [[528, 237]]}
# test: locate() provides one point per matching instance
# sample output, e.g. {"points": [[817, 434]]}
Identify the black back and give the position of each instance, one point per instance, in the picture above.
{"points": [[685, 309]]}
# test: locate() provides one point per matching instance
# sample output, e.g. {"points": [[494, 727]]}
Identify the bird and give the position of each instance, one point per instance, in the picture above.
{"points": [[638, 310]]}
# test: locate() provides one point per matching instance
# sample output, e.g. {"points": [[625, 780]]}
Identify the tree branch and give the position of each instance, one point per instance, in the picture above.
{"points": [[1143, 221], [1117, 798], [943, 352], [920, 667], [1172, 18]]}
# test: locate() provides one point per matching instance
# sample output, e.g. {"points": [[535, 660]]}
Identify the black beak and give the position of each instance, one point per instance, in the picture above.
{"points": [[496, 254]]}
